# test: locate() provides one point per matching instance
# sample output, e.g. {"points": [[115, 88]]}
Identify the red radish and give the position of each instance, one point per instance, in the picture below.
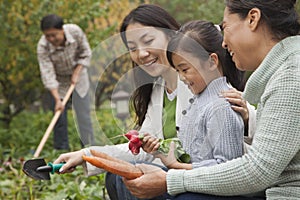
{"points": [[131, 133], [134, 148], [135, 141]]}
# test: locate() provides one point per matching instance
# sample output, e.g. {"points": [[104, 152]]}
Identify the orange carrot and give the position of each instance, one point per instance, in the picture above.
{"points": [[128, 171], [108, 157]]}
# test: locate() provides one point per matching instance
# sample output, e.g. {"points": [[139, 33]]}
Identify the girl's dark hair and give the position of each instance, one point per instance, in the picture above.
{"points": [[279, 15], [51, 21], [154, 16], [201, 38]]}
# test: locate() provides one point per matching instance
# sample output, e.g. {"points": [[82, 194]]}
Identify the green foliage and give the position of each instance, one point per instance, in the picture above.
{"points": [[20, 82], [19, 143], [179, 152], [184, 11]]}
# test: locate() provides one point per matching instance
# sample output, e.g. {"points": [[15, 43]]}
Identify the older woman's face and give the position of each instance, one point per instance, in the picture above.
{"points": [[239, 41]]}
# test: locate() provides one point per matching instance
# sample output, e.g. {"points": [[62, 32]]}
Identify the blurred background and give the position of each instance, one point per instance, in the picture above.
{"points": [[24, 106]]}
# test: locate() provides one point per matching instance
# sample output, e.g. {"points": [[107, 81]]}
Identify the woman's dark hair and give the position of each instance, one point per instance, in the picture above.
{"points": [[157, 17], [201, 38], [279, 15], [51, 21]]}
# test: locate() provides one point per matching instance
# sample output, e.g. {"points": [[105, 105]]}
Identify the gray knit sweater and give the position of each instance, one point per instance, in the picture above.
{"points": [[273, 160]]}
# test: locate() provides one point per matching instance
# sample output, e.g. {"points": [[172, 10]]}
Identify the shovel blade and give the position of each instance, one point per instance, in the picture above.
{"points": [[30, 169]]}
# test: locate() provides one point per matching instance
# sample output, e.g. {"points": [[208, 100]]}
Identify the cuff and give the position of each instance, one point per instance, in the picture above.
{"points": [[175, 181], [83, 63], [89, 169]]}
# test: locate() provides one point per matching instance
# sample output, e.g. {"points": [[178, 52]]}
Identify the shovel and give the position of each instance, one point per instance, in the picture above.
{"points": [[53, 122], [39, 170]]}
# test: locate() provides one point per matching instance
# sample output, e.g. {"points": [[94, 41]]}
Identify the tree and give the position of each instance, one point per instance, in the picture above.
{"points": [[184, 11], [20, 82]]}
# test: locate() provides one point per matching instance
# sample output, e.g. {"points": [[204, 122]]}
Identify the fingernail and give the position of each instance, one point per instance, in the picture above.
{"points": [[61, 170]]}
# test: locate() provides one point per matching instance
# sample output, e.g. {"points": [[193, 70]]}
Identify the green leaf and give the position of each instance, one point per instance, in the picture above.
{"points": [[180, 153]]}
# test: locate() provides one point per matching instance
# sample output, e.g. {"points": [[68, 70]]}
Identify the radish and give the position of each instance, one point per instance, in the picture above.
{"points": [[130, 133], [136, 142]]}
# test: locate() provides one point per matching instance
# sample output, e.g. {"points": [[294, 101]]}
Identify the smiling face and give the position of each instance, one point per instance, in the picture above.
{"points": [[241, 40], [55, 36], [191, 71], [147, 46], [236, 39]]}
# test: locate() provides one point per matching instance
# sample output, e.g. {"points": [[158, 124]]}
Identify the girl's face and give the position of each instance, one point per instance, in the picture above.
{"points": [[147, 46], [191, 71]]}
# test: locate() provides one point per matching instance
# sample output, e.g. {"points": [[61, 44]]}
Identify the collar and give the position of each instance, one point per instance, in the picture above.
{"points": [[69, 39], [213, 89], [257, 82]]}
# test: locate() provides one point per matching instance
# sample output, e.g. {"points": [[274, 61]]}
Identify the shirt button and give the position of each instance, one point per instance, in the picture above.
{"points": [[184, 112], [191, 100]]}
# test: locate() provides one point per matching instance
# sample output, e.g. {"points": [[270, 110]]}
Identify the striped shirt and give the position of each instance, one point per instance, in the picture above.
{"points": [[58, 63], [211, 132]]}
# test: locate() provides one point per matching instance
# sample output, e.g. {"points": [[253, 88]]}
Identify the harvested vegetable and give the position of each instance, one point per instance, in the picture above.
{"points": [[136, 142], [115, 166], [108, 157]]}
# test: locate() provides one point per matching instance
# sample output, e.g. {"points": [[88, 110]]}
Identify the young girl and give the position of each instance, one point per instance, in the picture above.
{"points": [[210, 131]]}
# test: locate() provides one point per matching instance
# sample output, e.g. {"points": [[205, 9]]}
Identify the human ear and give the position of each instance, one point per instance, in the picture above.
{"points": [[214, 61], [253, 18]]}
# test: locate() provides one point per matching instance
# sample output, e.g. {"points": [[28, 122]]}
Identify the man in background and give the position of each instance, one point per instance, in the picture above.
{"points": [[64, 55]]}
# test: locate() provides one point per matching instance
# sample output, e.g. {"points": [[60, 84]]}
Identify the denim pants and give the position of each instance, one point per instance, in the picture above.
{"points": [[82, 110], [118, 191]]}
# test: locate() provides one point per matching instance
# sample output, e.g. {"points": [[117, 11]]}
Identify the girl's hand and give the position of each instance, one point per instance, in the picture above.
{"points": [[170, 160]]}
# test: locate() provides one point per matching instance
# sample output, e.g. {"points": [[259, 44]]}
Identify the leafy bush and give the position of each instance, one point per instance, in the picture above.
{"points": [[18, 144]]}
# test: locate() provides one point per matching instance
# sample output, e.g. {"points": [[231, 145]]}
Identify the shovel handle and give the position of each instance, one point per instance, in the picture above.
{"points": [[53, 122], [55, 167]]}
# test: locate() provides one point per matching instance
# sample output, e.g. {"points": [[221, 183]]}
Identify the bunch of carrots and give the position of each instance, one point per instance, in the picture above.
{"points": [[126, 169]]}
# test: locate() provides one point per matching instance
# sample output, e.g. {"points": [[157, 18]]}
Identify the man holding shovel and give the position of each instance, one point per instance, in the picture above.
{"points": [[64, 55]]}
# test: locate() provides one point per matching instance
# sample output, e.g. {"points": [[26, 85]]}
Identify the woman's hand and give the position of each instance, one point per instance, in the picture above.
{"points": [[238, 103], [72, 159], [153, 183], [150, 143]]}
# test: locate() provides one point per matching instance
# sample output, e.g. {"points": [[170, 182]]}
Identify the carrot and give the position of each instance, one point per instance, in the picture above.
{"points": [[108, 157], [128, 171]]}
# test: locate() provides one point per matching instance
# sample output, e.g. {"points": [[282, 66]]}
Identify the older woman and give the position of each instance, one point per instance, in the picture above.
{"points": [[262, 36]]}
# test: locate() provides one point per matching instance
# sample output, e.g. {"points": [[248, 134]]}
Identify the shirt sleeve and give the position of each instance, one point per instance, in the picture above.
{"points": [[84, 49], [46, 66], [271, 158], [120, 151]]}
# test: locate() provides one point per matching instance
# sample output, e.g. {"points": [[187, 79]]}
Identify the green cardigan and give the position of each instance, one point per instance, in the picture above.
{"points": [[273, 160]]}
